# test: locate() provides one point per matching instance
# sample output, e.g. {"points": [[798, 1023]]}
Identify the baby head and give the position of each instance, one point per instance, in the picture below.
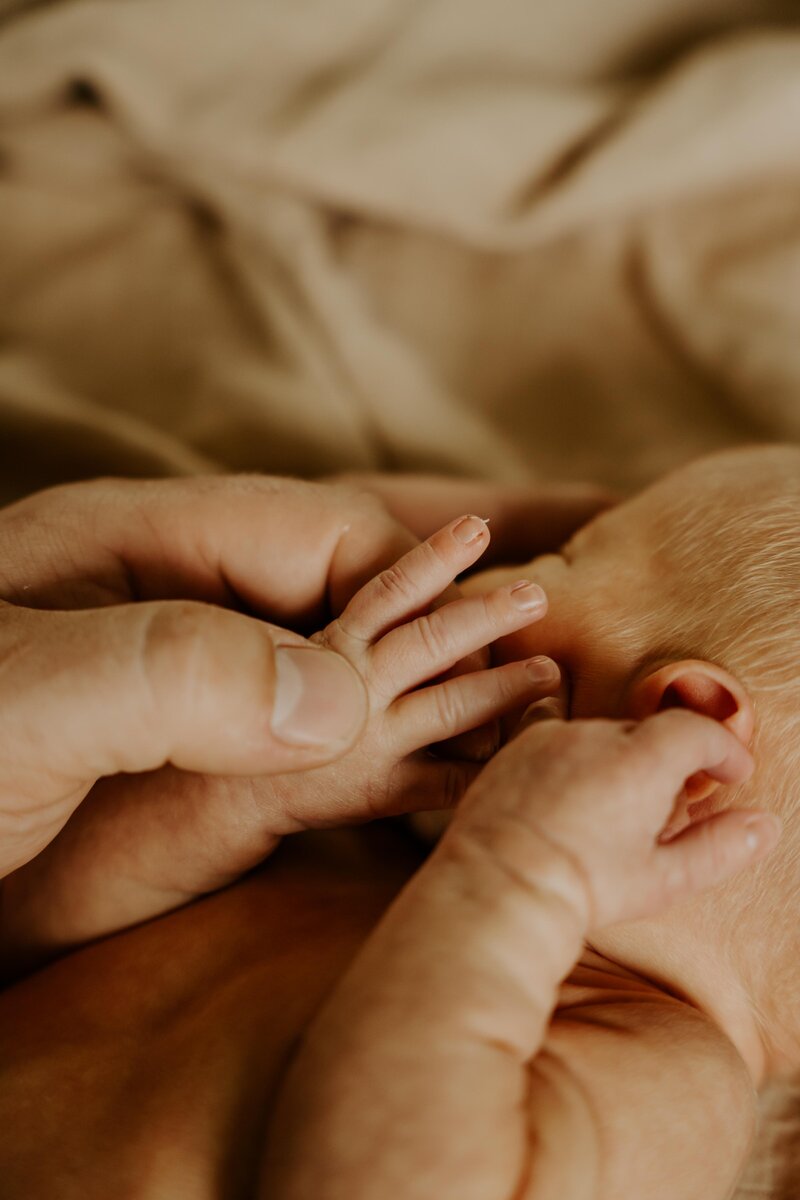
{"points": [[689, 595]]}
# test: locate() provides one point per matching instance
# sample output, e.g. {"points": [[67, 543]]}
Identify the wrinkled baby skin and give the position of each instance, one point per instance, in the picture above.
{"points": [[687, 596], [612, 590]]}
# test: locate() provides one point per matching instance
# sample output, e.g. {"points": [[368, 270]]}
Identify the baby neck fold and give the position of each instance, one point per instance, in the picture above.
{"points": [[677, 962]]}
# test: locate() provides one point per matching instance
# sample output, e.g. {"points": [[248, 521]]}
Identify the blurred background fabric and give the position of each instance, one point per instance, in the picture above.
{"points": [[506, 239], [496, 238]]}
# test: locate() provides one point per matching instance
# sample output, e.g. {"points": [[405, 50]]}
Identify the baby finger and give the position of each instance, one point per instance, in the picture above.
{"points": [[447, 709], [431, 645], [709, 853], [416, 580], [687, 743]]}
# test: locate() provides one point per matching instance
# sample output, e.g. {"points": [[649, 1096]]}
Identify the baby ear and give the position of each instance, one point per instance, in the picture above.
{"points": [[704, 688]]}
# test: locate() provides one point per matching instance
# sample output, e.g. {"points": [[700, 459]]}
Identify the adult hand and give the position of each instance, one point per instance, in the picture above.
{"points": [[128, 644], [191, 716], [526, 519]]}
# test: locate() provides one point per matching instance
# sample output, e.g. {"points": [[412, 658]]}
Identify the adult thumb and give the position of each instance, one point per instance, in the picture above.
{"points": [[130, 688]]}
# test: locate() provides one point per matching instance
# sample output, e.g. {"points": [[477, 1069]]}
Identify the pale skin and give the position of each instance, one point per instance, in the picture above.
{"points": [[116, 667], [169, 1043], [438, 1067], [488, 1013], [608, 1108], [643, 1084], [611, 627]]}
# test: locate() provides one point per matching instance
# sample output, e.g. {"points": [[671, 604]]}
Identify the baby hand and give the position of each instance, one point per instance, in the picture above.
{"points": [[397, 645], [428, 1051], [144, 844], [577, 809]]}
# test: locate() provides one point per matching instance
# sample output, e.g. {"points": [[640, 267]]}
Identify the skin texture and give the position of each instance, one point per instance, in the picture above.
{"points": [[626, 620], [126, 636], [450, 1000], [104, 545], [491, 1096], [166, 1087], [144, 1065], [176, 687]]}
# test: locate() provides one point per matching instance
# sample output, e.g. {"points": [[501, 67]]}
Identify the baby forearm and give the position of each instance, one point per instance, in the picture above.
{"points": [[426, 1075], [492, 927], [413, 1080]]}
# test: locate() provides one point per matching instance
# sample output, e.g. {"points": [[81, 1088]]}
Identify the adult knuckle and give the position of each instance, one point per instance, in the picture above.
{"points": [[38, 507], [348, 486], [174, 642], [43, 516], [655, 739], [70, 496], [357, 504], [369, 506], [625, 745], [344, 481], [244, 485]]}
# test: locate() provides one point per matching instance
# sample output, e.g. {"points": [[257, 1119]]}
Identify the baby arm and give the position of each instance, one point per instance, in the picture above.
{"points": [[438, 1070]]}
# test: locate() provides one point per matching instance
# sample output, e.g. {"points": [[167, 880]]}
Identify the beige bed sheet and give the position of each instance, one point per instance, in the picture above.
{"points": [[496, 237], [506, 238]]}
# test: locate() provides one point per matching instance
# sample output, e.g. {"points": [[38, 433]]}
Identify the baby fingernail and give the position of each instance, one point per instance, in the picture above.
{"points": [[542, 670], [469, 529], [319, 699], [527, 596]]}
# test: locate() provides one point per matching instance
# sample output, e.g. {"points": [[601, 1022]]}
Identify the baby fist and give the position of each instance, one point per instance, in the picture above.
{"points": [[577, 809]]}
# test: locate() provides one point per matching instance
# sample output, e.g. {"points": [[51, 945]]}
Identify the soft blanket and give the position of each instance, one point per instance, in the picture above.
{"points": [[491, 238]]}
